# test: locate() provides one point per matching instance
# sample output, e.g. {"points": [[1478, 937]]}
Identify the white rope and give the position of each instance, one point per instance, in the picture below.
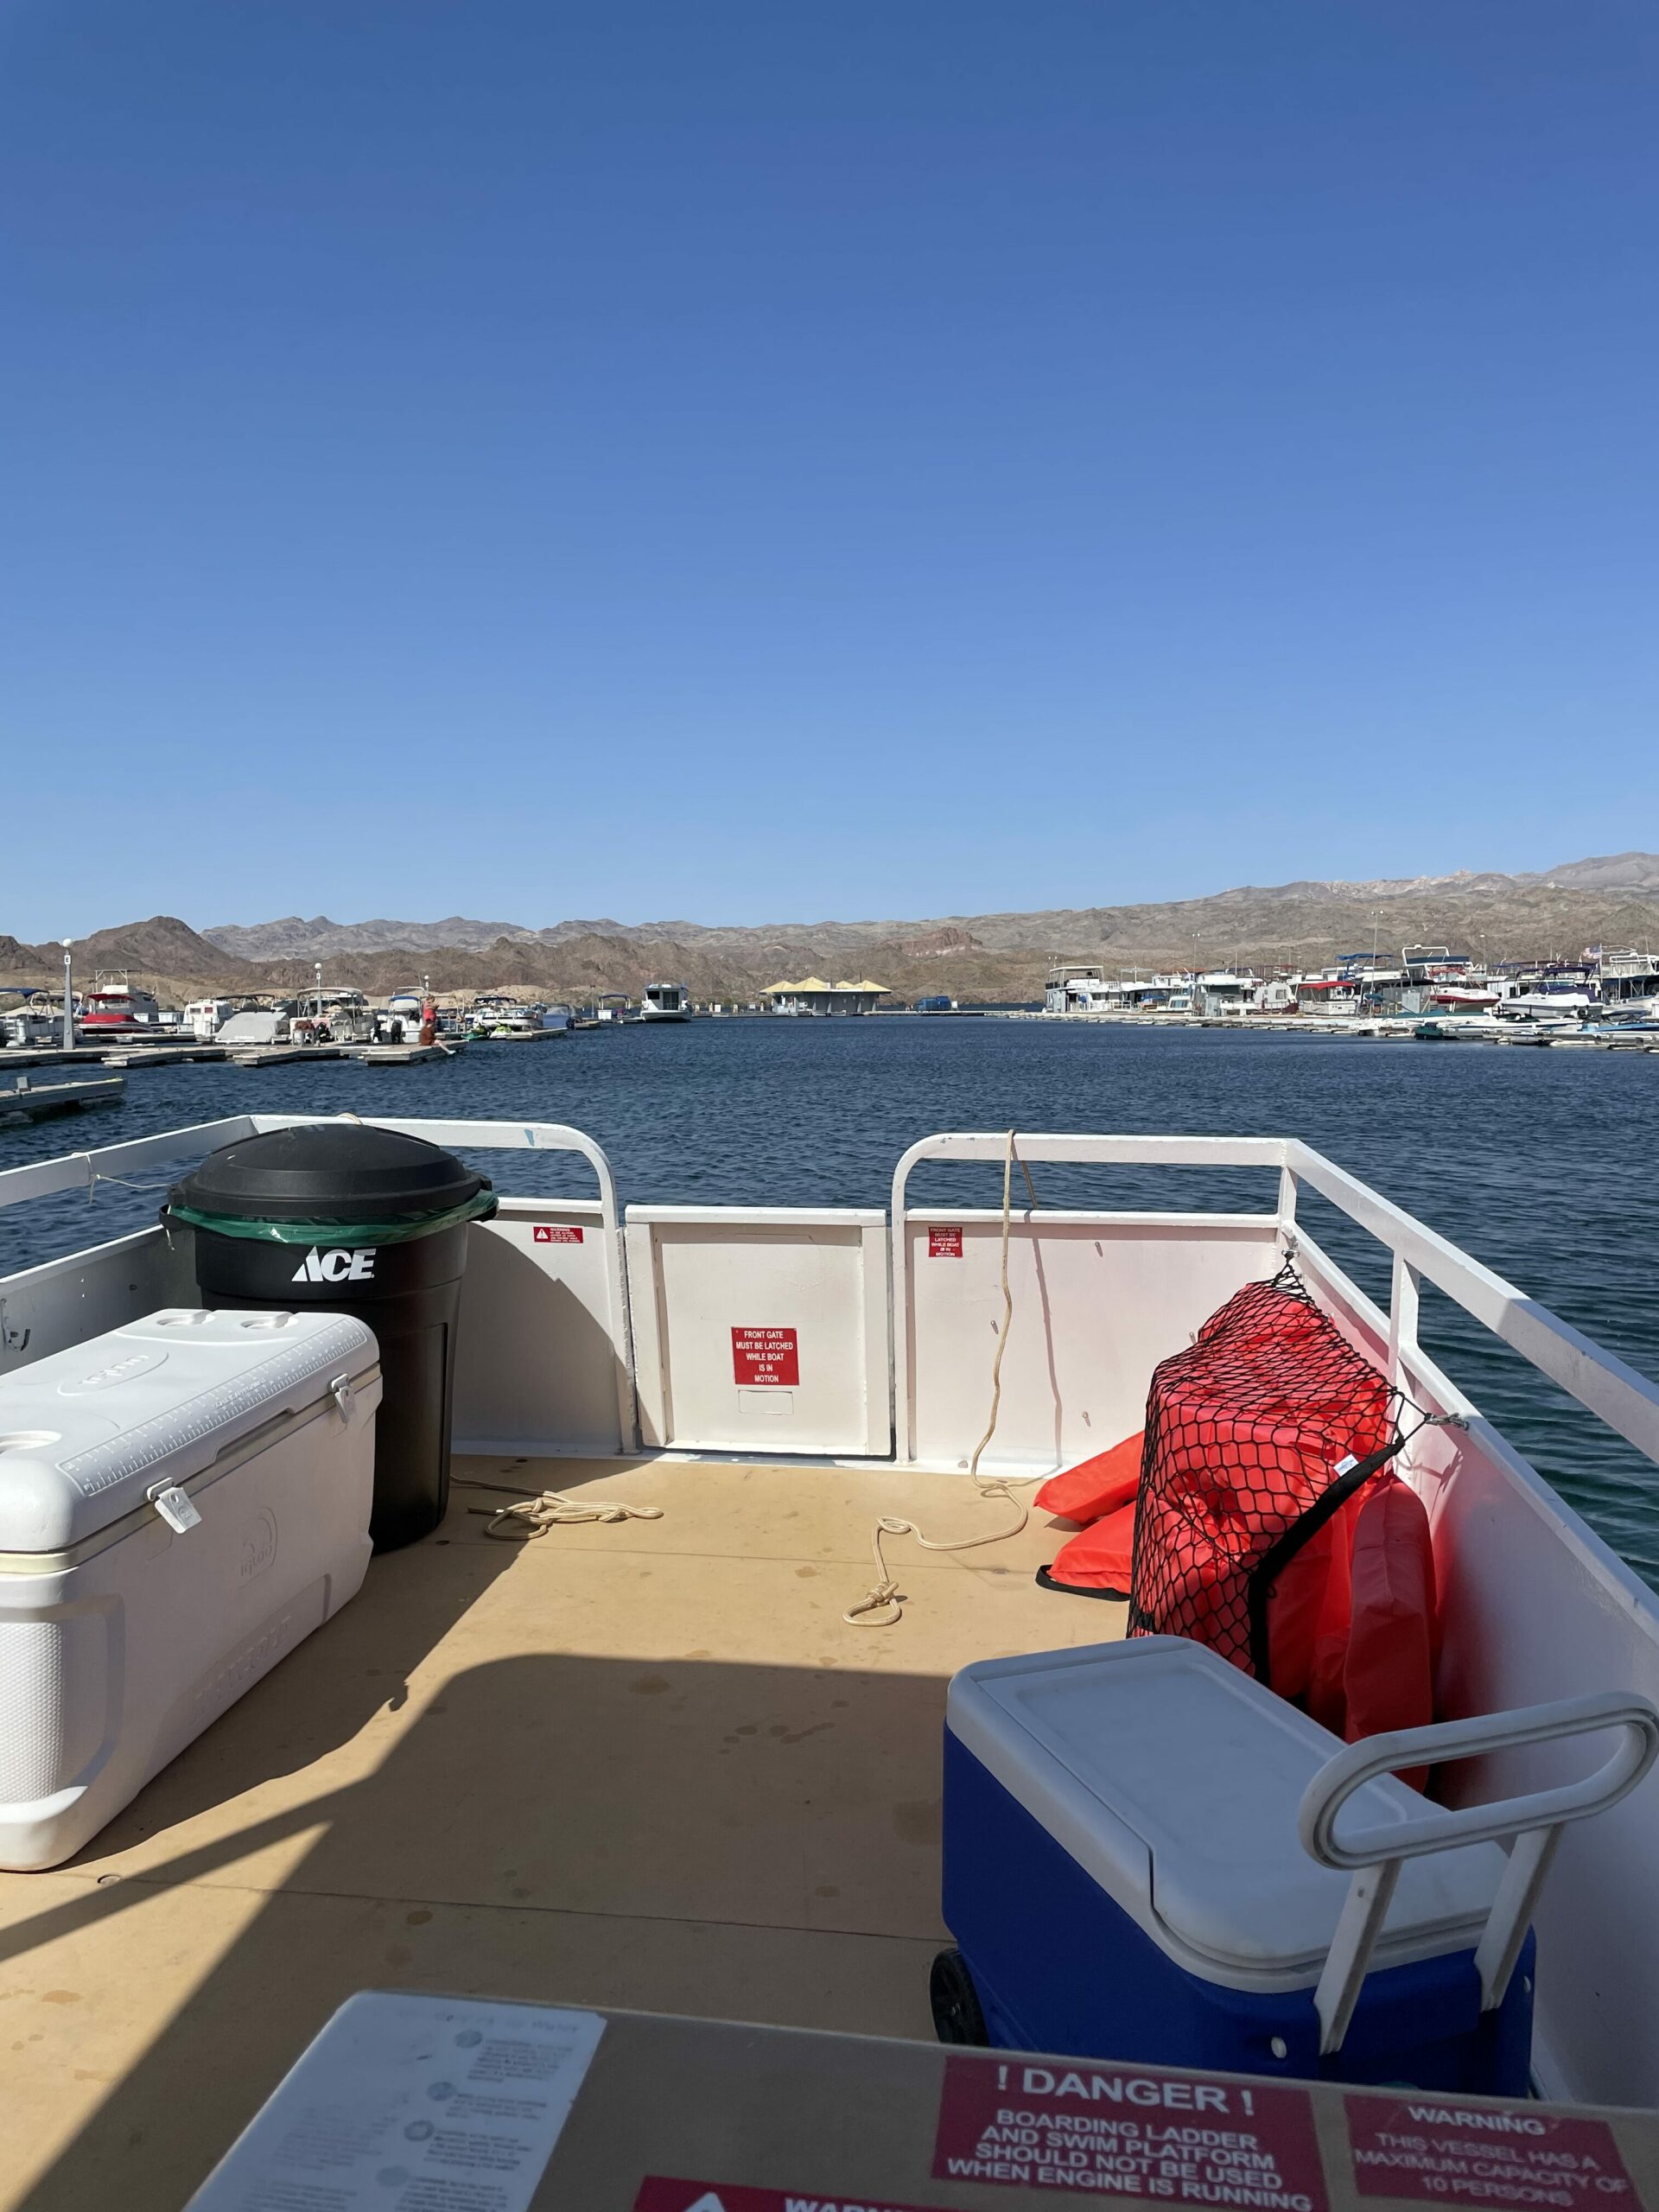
{"points": [[533, 1516], [883, 1605]]}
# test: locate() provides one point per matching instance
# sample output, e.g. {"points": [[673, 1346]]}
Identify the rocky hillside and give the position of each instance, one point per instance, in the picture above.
{"points": [[1613, 900]]}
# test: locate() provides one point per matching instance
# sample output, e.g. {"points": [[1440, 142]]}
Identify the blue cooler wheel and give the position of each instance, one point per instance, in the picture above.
{"points": [[958, 2015]]}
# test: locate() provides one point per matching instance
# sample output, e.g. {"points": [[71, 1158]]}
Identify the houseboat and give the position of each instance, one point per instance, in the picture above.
{"points": [[665, 1002]]}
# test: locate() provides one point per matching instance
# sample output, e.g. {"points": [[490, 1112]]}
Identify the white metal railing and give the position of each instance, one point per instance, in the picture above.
{"points": [[1597, 1379], [1625, 1400], [1530, 1824], [114, 1163]]}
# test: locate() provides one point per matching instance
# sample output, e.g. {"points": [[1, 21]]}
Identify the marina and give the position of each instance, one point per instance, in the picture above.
{"points": [[1000, 1538]]}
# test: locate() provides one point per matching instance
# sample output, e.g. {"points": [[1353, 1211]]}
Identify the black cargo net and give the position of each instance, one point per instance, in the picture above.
{"points": [[1257, 1435]]}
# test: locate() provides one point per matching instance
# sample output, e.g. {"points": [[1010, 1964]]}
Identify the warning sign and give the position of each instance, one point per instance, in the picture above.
{"points": [[1503, 2155], [555, 1233], [766, 1356], [1107, 2130], [944, 1243], [659, 2195]]}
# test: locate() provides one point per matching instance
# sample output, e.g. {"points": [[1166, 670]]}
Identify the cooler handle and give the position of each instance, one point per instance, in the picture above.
{"points": [[1532, 1824]]}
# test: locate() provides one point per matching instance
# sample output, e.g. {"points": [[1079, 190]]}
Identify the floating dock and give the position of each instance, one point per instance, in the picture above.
{"points": [[27, 1101], [275, 1056], [401, 1056]]}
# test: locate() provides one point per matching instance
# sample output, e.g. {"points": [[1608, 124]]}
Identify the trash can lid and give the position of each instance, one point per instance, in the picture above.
{"points": [[344, 1172]]}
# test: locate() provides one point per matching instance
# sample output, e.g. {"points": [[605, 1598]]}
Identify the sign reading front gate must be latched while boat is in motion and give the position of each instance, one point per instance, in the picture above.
{"points": [[766, 1356]]}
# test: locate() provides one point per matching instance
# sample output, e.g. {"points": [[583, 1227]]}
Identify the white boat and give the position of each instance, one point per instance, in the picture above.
{"points": [[1081, 986], [35, 1023], [204, 1017], [399, 1021], [665, 1002], [652, 1762], [252, 1024], [1627, 985], [123, 1009], [330, 1015]]}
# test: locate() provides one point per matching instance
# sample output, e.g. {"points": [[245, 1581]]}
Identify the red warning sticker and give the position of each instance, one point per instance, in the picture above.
{"points": [[555, 1232], [766, 1356], [657, 2193], [944, 1243], [1125, 2131], [1501, 2155]]}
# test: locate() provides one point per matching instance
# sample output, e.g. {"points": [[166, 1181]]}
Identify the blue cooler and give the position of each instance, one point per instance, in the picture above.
{"points": [[1124, 1878]]}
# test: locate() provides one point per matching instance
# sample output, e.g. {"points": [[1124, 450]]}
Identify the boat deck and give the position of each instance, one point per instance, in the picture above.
{"points": [[639, 1764]]}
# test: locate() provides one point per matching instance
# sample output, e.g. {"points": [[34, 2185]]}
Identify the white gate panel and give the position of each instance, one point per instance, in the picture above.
{"points": [[762, 1329], [62, 1302], [1098, 1300], [536, 1364]]}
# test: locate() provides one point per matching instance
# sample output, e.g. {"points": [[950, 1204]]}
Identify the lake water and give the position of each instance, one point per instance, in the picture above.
{"points": [[1545, 1164]]}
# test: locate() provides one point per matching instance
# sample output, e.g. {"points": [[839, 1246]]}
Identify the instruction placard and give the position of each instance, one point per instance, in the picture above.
{"points": [[763, 1356], [555, 1232], [657, 2193], [405, 2102], [944, 1243], [1110, 2130], [1440, 2153]]}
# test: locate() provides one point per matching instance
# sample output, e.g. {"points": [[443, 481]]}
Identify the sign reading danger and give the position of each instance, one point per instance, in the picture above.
{"points": [[1183, 2139], [766, 1356], [555, 1233]]}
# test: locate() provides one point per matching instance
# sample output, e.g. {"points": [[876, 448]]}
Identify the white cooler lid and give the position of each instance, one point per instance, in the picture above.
{"points": [[1175, 1781], [87, 1434]]}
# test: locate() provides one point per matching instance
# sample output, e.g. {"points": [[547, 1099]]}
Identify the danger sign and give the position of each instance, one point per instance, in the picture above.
{"points": [[657, 2193], [1438, 2152], [944, 1243], [1124, 2131], [555, 1233], [766, 1356]]}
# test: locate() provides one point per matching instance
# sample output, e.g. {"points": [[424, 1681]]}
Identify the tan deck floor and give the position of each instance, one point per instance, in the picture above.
{"points": [[644, 1764]]}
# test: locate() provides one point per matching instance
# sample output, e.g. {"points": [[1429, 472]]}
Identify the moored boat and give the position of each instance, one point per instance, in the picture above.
{"points": [[123, 1009], [665, 1002]]}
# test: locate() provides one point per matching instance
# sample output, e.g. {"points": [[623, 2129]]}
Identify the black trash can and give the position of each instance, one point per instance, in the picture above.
{"points": [[365, 1222]]}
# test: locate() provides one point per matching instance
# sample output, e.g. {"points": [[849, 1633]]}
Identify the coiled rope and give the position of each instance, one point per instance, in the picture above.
{"points": [[883, 1605], [529, 1517]]}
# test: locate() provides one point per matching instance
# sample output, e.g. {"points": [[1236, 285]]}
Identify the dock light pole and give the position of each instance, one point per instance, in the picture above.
{"points": [[68, 996]]}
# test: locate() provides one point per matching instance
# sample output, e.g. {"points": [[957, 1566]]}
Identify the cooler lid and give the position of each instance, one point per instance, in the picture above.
{"points": [[329, 1170], [1174, 1779], [87, 1434]]}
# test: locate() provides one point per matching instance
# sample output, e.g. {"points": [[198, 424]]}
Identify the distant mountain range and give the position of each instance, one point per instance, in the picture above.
{"points": [[1058, 928], [1613, 900]]}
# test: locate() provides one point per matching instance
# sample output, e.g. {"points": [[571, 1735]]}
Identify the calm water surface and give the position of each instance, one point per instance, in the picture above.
{"points": [[1543, 1164]]}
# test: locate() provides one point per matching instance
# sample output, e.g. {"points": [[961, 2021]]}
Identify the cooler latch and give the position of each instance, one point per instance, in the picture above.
{"points": [[176, 1507], [343, 1395]]}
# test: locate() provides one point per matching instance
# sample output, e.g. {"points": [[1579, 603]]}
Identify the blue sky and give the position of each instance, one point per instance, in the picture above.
{"points": [[774, 461]]}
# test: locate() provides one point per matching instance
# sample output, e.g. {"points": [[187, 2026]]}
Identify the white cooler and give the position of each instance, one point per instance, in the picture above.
{"points": [[181, 1501]]}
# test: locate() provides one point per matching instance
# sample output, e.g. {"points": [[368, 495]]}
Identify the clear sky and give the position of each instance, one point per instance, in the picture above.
{"points": [[774, 459]]}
